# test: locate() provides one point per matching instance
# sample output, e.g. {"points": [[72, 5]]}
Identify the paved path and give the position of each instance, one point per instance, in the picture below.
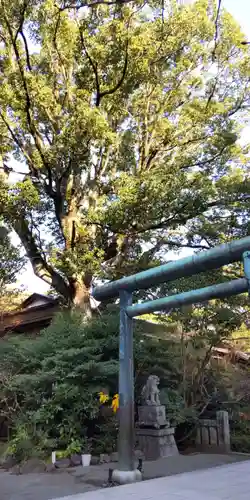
{"points": [[228, 482], [84, 479], [39, 486]]}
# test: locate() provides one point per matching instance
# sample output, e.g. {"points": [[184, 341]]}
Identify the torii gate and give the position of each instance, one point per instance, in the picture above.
{"points": [[123, 288]]}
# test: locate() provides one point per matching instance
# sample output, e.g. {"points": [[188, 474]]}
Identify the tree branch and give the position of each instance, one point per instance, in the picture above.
{"points": [[216, 34], [55, 195], [39, 264], [148, 255], [120, 81], [99, 94], [78, 5], [182, 220], [93, 64], [172, 243], [16, 139], [32, 128], [204, 162], [26, 50], [54, 39]]}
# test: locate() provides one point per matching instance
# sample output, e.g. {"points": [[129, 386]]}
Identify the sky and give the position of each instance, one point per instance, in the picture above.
{"points": [[240, 9]]}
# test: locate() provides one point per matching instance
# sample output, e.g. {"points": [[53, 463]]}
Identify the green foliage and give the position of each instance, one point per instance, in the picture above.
{"points": [[55, 380], [240, 441], [11, 261], [11, 258], [21, 446], [49, 385], [76, 446], [126, 118], [11, 298]]}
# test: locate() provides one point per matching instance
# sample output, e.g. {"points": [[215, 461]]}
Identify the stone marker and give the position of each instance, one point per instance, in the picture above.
{"points": [[94, 460], [104, 458]]}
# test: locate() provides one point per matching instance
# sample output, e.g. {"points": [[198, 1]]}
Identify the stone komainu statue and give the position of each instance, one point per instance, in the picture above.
{"points": [[150, 393]]}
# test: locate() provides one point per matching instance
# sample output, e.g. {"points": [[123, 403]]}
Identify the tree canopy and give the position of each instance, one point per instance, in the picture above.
{"points": [[126, 117]]}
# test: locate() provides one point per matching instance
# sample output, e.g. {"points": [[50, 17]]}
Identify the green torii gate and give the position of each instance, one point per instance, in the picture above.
{"points": [[123, 288]]}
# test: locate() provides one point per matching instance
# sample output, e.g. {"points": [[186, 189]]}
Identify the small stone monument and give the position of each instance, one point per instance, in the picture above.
{"points": [[155, 436]]}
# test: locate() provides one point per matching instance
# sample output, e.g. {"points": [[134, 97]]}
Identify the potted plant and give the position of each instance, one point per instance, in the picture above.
{"points": [[73, 453], [86, 455]]}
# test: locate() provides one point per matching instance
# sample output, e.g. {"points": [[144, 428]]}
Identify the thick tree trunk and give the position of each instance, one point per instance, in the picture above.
{"points": [[81, 299], [75, 292]]}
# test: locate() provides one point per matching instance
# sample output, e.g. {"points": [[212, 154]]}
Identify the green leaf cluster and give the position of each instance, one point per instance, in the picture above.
{"points": [[49, 385]]}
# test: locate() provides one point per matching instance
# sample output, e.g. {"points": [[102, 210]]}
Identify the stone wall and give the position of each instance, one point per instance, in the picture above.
{"points": [[214, 434]]}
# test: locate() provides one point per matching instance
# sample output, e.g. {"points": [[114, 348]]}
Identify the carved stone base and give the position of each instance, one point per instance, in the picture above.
{"points": [[126, 476], [152, 416], [157, 443]]}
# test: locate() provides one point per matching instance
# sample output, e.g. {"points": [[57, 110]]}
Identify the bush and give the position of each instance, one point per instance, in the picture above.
{"points": [[57, 376], [21, 446], [55, 380], [240, 435], [50, 384]]}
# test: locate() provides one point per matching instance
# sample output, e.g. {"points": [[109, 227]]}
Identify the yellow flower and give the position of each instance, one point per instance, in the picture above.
{"points": [[103, 398], [115, 403]]}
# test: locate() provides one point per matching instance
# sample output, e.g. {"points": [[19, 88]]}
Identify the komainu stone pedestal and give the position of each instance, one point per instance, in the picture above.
{"points": [[157, 443], [152, 416], [154, 435]]}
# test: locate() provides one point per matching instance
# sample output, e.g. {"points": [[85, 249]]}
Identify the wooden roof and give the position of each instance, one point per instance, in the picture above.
{"points": [[36, 311], [36, 298]]}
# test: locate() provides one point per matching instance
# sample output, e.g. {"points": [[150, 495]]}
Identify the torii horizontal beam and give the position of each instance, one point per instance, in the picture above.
{"points": [[220, 291], [195, 264]]}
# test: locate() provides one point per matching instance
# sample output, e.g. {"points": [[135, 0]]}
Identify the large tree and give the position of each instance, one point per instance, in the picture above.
{"points": [[126, 116]]}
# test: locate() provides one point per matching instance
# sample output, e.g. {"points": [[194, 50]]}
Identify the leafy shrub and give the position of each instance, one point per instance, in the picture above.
{"points": [[240, 435], [21, 446], [56, 378], [50, 384]]}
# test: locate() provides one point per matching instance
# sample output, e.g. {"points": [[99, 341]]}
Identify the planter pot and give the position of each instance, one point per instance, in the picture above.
{"points": [[86, 458], [75, 460]]}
